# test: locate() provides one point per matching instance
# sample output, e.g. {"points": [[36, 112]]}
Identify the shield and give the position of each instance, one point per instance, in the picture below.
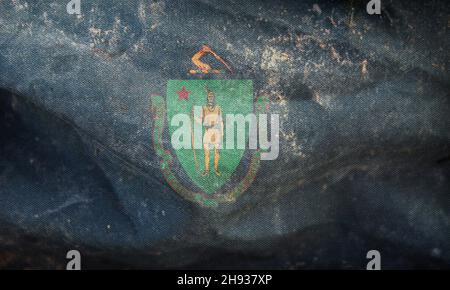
{"points": [[185, 102]]}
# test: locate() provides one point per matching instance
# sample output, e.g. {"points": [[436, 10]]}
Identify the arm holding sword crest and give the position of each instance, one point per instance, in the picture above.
{"points": [[204, 67]]}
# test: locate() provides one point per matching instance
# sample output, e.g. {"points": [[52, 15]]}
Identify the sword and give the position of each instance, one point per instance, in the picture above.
{"points": [[221, 60]]}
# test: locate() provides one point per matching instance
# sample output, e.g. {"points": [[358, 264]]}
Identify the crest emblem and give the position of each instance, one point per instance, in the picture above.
{"points": [[205, 134], [204, 68]]}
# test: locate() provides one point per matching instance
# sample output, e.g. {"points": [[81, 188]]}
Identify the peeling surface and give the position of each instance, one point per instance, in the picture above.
{"points": [[363, 103]]}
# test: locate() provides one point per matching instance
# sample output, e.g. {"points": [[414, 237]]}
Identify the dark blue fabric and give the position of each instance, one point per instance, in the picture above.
{"points": [[364, 157]]}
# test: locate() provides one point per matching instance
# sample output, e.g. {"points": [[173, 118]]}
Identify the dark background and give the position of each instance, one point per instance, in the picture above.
{"points": [[364, 157]]}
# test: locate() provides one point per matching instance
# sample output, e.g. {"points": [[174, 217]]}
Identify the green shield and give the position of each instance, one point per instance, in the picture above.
{"points": [[233, 97]]}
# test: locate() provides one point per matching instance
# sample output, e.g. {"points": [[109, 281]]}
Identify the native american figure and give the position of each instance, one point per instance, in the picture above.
{"points": [[211, 119]]}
